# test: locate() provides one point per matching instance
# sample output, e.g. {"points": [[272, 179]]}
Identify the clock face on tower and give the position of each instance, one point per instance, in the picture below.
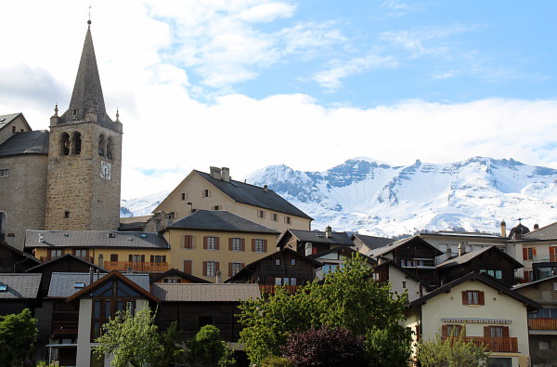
{"points": [[106, 167]]}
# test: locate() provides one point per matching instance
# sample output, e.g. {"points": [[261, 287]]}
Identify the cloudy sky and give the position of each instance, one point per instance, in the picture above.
{"points": [[308, 83]]}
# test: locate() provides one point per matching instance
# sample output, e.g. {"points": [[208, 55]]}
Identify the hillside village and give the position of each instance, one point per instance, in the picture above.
{"points": [[66, 254]]}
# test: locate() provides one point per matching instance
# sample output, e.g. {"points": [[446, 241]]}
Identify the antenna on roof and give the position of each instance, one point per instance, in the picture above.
{"points": [[89, 21]]}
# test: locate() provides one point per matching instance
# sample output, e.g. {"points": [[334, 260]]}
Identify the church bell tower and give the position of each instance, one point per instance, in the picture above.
{"points": [[84, 156]]}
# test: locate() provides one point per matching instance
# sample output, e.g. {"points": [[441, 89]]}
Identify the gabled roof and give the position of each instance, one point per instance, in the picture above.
{"points": [[469, 256], [392, 246], [94, 238], [254, 195], [285, 250], [19, 252], [337, 238], [339, 249], [194, 292], [392, 263], [20, 285], [546, 233], [532, 305], [64, 258], [62, 285], [134, 223], [6, 119], [178, 273], [535, 282], [29, 142], [372, 242], [219, 220], [132, 280]]}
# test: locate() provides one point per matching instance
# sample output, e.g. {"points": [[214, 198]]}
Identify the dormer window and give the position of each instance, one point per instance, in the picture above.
{"points": [[3, 288], [79, 285]]}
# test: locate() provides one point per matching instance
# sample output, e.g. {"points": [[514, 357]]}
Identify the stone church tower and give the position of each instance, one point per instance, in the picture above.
{"points": [[84, 156]]}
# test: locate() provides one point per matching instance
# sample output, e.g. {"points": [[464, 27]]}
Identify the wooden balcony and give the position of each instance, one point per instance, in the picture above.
{"points": [[136, 266], [542, 324], [64, 329], [495, 344], [266, 288]]}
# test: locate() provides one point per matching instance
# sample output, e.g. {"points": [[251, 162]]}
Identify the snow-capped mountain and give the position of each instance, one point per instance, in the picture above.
{"points": [[376, 198]]}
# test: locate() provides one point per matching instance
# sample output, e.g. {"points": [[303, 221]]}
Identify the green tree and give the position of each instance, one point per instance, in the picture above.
{"points": [[208, 350], [170, 341], [348, 298], [451, 352], [131, 339], [18, 334]]}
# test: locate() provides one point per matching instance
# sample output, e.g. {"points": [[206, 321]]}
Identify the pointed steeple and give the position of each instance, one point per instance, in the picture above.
{"points": [[87, 102]]}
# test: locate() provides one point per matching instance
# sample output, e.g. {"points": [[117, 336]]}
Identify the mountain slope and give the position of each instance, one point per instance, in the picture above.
{"points": [[379, 199]]}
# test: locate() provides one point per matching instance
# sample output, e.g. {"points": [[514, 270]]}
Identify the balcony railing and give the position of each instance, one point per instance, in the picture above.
{"points": [[542, 324], [64, 328], [136, 266], [266, 288], [495, 344]]}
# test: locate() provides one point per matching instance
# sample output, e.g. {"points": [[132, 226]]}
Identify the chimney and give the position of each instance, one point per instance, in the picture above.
{"points": [[215, 172], [90, 275], [218, 277], [41, 238], [461, 249], [265, 188], [308, 248], [328, 232], [503, 229], [225, 174], [536, 227]]}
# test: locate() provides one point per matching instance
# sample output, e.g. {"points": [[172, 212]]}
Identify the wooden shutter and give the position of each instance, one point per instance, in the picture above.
{"points": [[243, 244], [505, 331], [229, 269], [464, 297], [188, 241], [444, 331], [131, 258], [253, 245], [187, 266], [534, 254], [487, 332], [481, 299], [264, 245], [152, 258], [142, 258], [205, 268], [217, 241], [217, 266], [205, 242], [230, 246], [525, 253]]}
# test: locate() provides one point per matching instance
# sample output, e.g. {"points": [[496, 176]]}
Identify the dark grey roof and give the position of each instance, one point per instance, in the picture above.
{"points": [[19, 252], [198, 292], [29, 142], [548, 232], [220, 220], [535, 282], [178, 273], [62, 285], [254, 195], [134, 223], [337, 238], [65, 257], [20, 285], [372, 242], [459, 260], [96, 238], [390, 247], [338, 249]]}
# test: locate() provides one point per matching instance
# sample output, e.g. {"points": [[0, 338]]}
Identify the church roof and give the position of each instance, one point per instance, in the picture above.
{"points": [[87, 95], [220, 220], [254, 195], [30, 142]]}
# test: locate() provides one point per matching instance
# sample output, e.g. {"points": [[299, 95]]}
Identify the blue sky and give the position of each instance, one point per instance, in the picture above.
{"points": [[250, 83]]}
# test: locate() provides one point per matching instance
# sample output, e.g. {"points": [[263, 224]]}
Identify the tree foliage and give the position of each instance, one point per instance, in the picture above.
{"points": [[451, 352], [208, 350], [325, 347], [18, 334], [131, 339], [171, 351], [348, 298]]}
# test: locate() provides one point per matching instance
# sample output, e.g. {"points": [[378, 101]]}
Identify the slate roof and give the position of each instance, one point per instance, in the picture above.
{"points": [[62, 258], [372, 242], [459, 260], [6, 119], [196, 292], [19, 252], [20, 285], [95, 238], [254, 195], [134, 223], [178, 273], [29, 142], [390, 247], [337, 238], [546, 233], [220, 220], [62, 285]]}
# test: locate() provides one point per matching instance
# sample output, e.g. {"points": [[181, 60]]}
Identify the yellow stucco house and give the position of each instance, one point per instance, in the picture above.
{"points": [[214, 244], [218, 191], [482, 308]]}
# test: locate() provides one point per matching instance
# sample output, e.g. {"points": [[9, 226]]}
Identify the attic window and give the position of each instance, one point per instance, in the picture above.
{"points": [[4, 172], [111, 235], [3, 288], [79, 285], [130, 238], [66, 235], [143, 235]]}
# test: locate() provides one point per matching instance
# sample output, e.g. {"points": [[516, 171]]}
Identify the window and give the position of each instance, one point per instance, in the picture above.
{"points": [[528, 275], [451, 330], [529, 253], [211, 243], [259, 245], [184, 196], [55, 253], [3, 288], [81, 253], [236, 244], [171, 280], [210, 268], [14, 129], [113, 257], [293, 281], [287, 220], [216, 207], [234, 268], [66, 214], [158, 259], [497, 274], [545, 345], [109, 149], [277, 262], [274, 217], [187, 241], [496, 331], [65, 144], [136, 258], [260, 214], [553, 254], [102, 146], [376, 276], [278, 281], [206, 193], [76, 143], [473, 298], [4, 172], [293, 262]]}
